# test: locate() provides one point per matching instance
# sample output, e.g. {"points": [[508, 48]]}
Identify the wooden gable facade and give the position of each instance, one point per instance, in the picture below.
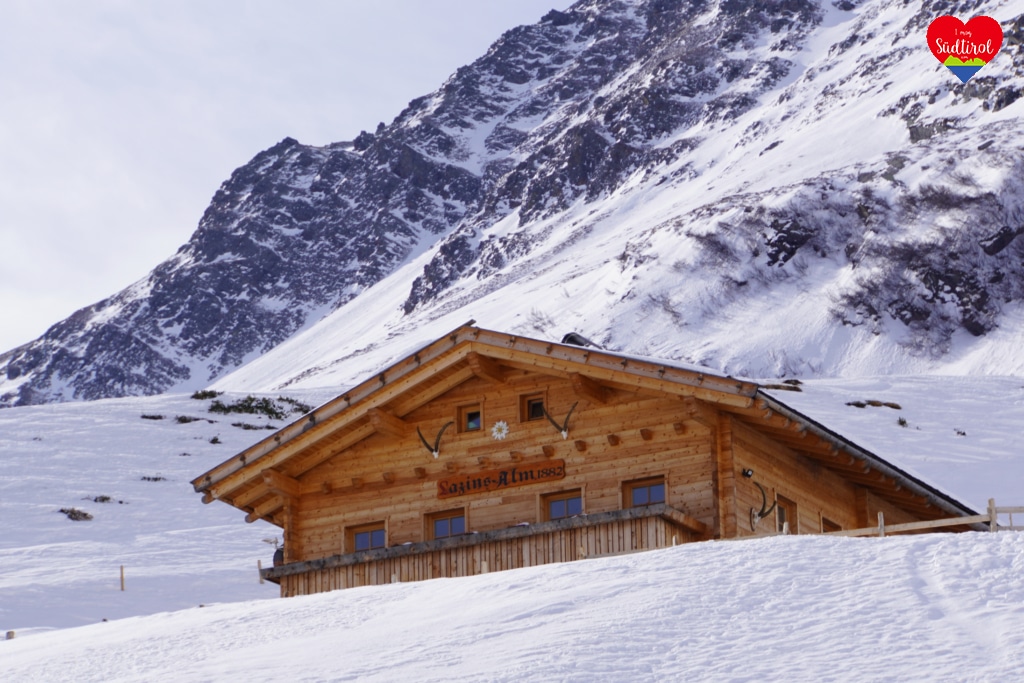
{"points": [[486, 451]]}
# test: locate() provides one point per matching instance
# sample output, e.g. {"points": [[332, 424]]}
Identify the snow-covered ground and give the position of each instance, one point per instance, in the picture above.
{"points": [[925, 608], [936, 607]]}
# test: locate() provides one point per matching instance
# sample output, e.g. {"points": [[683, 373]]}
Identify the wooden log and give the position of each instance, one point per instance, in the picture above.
{"points": [[485, 368], [646, 434], [580, 445], [281, 484], [584, 387], [388, 424], [613, 440]]}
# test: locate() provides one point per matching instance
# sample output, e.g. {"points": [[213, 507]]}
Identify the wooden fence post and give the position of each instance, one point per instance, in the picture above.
{"points": [[10, 635], [992, 516], [881, 524], [122, 578], [259, 570]]}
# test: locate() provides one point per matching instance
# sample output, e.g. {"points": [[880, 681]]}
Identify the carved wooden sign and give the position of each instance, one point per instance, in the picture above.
{"points": [[506, 477]]}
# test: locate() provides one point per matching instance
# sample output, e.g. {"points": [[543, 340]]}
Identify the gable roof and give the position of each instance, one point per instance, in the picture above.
{"points": [[260, 477]]}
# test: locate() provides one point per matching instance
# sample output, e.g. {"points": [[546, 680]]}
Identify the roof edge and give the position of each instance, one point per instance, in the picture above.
{"points": [[938, 498]]}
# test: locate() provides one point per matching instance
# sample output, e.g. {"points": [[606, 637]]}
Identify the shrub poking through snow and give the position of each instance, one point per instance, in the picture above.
{"points": [[76, 515], [246, 425], [156, 478], [274, 409], [152, 417], [205, 394]]}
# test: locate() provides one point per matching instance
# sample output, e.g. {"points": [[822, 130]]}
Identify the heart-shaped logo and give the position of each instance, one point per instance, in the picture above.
{"points": [[965, 48]]}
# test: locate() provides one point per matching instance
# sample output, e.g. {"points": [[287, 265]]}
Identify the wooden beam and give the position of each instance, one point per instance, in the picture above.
{"points": [[699, 411], [264, 510], [584, 387], [388, 424], [250, 496], [485, 368], [636, 375], [725, 461], [281, 484]]}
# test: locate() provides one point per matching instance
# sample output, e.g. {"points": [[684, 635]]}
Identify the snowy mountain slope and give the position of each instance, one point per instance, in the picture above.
{"points": [[179, 553], [834, 260], [936, 608], [791, 187], [176, 551]]}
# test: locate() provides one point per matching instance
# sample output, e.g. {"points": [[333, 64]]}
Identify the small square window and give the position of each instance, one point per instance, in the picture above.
{"points": [[645, 492], [367, 537], [470, 418], [531, 407], [446, 524], [563, 504]]}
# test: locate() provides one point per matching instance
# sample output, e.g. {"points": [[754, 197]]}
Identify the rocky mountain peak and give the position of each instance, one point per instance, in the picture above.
{"points": [[708, 159]]}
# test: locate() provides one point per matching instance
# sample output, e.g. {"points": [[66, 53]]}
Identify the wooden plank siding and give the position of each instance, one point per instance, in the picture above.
{"points": [[599, 471]]}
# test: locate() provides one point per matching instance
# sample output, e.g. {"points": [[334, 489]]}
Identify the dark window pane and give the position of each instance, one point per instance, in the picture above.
{"points": [[640, 495], [377, 538], [657, 494], [557, 509], [441, 528], [535, 409], [457, 526], [472, 420], [574, 507], [362, 541]]}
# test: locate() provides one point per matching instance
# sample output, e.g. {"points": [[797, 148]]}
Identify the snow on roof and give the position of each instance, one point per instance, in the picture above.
{"points": [[958, 434]]}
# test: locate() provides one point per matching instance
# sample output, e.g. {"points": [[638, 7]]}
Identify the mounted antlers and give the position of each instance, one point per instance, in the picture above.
{"points": [[564, 427], [757, 515], [436, 450]]}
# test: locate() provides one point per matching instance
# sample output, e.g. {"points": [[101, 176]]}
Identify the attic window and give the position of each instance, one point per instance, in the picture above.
{"points": [[470, 418], [531, 407]]}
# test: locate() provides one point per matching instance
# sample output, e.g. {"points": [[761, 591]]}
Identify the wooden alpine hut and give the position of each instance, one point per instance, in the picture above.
{"points": [[486, 451]]}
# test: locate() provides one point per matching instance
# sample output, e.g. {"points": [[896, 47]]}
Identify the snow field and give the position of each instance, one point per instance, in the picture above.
{"points": [[936, 607]]}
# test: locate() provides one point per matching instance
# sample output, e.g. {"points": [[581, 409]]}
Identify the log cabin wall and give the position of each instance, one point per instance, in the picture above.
{"points": [[357, 464], [817, 492], [624, 436]]}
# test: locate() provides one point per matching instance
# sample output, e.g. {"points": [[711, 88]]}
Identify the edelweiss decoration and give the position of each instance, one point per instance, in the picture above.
{"points": [[500, 430]]}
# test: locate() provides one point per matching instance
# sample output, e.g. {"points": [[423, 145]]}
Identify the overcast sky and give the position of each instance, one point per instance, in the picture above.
{"points": [[120, 118]]}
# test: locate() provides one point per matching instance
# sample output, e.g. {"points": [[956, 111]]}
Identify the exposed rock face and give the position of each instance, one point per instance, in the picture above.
{"points": [[578, 110]]}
